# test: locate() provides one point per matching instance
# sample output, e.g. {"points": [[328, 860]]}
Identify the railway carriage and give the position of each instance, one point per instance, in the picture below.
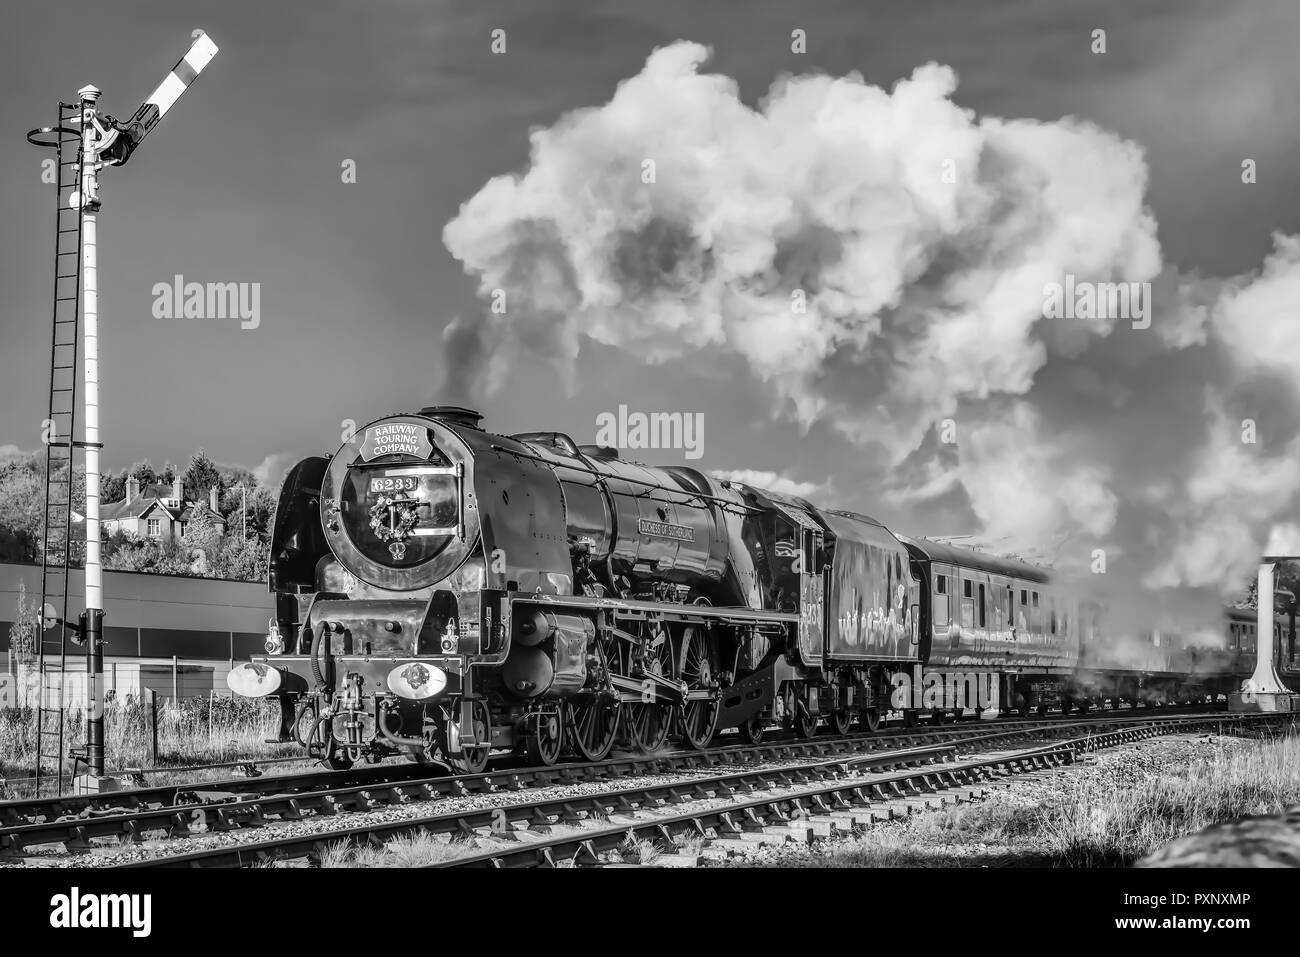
{"points": [[1000, 619]]}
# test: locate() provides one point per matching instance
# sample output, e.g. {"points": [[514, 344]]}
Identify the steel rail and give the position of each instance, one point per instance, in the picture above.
{"points": [[583, 847], [20, 811], [539, 813], [327, 793], [227, 813], [567, 808]]}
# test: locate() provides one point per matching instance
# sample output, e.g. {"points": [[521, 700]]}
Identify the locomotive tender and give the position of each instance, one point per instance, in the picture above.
{"points": [[446, 591]]}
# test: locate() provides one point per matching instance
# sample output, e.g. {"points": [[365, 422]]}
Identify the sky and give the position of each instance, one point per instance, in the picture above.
{"points": [[242, 182]]}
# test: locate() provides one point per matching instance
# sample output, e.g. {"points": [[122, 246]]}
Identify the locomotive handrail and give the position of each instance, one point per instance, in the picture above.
{"points": [[702, 612]]}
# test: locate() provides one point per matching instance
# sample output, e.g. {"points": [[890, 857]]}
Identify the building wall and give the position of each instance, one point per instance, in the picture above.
{"points": [[122, 677], [156, 616]]}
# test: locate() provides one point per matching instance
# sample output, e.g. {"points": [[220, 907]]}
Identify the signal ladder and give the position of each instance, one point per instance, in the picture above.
{"points": [[58, 549]]}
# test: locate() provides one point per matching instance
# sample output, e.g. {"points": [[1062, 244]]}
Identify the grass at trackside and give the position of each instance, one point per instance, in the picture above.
{"points": [[190, 731], [1109, 812]]}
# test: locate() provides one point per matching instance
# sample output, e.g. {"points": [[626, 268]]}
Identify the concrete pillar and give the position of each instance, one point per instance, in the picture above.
{"points": [[1264, 690]]}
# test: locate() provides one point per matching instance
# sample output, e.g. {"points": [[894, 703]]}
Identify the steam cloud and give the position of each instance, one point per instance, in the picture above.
{"points": [[920, 238]]}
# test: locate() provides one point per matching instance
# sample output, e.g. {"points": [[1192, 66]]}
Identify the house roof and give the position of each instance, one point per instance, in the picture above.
{"points": [[198, 508], [150, 498]]}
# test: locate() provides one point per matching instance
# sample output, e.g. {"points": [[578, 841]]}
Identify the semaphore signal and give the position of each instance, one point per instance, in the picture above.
{"points": [[102, 141]]}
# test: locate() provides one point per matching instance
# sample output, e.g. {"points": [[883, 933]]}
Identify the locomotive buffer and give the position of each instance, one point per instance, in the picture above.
{"points": [[102, 142]]}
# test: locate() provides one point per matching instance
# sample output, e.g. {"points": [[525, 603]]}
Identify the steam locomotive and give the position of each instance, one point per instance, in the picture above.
{"points": [[445, 591]]}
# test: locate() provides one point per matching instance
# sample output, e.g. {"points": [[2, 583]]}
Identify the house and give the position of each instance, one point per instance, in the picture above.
{"points": [[157, 511]]}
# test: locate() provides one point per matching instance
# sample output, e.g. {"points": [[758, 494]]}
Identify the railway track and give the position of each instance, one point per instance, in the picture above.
{"points": [[25, 811], [172, 812], [790, 809], [501, 818]]}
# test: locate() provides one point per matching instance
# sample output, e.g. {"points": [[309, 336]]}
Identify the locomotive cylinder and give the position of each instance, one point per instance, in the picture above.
{"points": [[548, 655]]}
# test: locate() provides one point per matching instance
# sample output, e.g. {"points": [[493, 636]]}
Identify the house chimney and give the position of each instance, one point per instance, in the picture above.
{"points": [[212, 498], [178, 490], [132, 488]]}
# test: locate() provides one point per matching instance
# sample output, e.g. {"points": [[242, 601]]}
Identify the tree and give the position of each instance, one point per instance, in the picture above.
{"points": [[201, 544], [246, 559], [256, 503], [1286, 577], [143, 472], [168, 474], [113, 487], [22, 501], [201, 476]]}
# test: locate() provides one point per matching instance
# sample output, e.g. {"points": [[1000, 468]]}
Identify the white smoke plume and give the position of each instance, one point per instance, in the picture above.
{"points": [[880, 258], [774, 482]]}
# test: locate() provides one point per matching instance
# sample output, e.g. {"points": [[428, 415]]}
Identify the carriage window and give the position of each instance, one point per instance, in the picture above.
{"points": [[1053, 621], [1035, 599], [1011, 606], [981, 605], [1024, 597], [966, 588], [941, 584]]}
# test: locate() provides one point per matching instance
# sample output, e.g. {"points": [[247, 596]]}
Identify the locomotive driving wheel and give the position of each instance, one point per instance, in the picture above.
{"points": [[699, 716], [752, 730], [544, 737], [593, 725], [472, 760], [648, 721], [592, 717]]}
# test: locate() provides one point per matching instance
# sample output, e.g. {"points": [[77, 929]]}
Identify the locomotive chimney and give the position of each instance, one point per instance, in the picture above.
{"points": [[454, 415]]}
